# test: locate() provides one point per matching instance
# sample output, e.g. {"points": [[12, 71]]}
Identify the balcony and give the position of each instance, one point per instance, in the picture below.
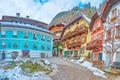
{"points": [[94, 44], [74, 45], [82, 30], [56, 37]]}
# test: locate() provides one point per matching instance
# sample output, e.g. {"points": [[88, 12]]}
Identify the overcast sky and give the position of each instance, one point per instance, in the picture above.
{"points": [[41, 10]]}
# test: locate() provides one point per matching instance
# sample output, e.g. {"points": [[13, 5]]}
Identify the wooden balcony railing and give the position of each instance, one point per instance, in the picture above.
{"points": [[78, 31], [56, 37], [94, 44], [74, 45]]}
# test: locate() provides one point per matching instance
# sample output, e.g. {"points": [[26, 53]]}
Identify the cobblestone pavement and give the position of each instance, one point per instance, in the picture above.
{"points": [[70, 71]]}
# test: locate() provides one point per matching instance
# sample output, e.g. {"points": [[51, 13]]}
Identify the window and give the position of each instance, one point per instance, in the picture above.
{"points": [[58, 34], [3, 44], [34, 36], [9, 45], [43, 47], [26, 45], [34, 46], [118, 32], [3, 33], [94, 27], [109, 34], [99, 24], [43, 37], [114, 13], [82, 39], [82, 50], [48, 39], [25, 35], [15, 45], [14, 33], [75, 40], [94, 56], [48, 47]]}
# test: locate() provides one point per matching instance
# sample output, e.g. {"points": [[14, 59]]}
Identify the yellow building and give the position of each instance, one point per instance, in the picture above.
{"points": [[75, 36]]}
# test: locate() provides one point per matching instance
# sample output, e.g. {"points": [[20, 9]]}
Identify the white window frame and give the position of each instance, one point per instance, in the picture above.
{"points": [[3, 32], [3, 44], [99, 24], [15, 33], [82, 39], [26, 34]]}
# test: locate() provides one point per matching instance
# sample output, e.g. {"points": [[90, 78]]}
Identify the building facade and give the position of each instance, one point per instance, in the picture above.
{"points": [[75, 36], [57, 29], [24, 37], [95, 44], [111, 20]]}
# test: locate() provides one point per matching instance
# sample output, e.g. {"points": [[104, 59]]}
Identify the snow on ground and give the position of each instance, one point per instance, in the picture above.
{"points": [[118, 78], [89, 66], [17, 73], [46, 62]]}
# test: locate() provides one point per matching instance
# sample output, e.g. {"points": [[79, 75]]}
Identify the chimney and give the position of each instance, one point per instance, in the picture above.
{"points": [[27, 17], [18, 14]]}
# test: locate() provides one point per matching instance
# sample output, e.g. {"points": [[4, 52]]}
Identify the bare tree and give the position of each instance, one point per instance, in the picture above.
{"points": [[110, 46]]}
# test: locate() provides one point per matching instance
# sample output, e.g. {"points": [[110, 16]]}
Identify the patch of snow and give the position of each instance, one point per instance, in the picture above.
{"points": [[17, 73], [72, 60], [89, 66], [80, 60], [55, 69], [118, 78], [46, 62]]}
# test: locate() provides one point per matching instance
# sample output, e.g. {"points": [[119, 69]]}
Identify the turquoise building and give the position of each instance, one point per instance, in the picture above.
{"points": [[24, 37]]}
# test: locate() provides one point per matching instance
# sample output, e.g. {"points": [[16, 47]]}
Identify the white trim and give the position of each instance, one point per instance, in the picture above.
{"points": [[24, 30], [25, 40], [3, 32], [97, 33]]}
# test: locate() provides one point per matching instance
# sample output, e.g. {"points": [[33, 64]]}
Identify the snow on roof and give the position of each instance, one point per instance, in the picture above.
{"points": [[86, 18], [20, 25]]}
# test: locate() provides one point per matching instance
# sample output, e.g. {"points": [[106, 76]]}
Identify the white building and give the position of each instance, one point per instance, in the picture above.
{"points": [[111, 20]]}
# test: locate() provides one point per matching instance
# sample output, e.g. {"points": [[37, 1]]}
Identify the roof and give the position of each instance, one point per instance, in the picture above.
{"points": [[94, 17], [82, 16], [56, 25], [24, 20], [27, 26], [107, 8]]}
